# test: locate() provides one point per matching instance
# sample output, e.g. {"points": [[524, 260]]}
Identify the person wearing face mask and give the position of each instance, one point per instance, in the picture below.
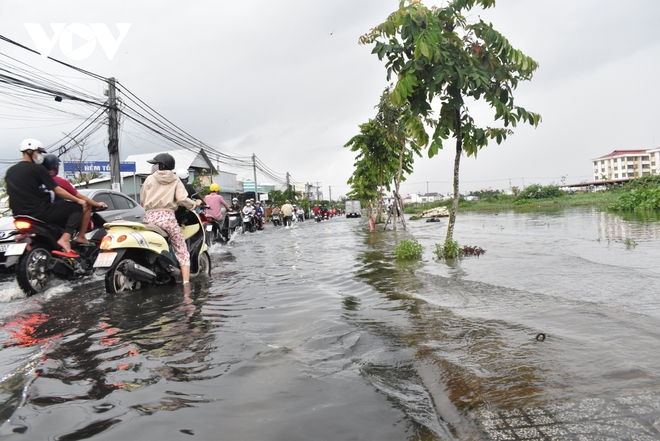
{"points": [[26, 184]]}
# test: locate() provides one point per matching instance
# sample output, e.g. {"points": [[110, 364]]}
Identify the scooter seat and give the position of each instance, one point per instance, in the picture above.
{"points": [[156, 229], [138, 226]]}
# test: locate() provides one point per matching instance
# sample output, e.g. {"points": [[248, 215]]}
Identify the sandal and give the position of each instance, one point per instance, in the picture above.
{"points": [[72, 254]]}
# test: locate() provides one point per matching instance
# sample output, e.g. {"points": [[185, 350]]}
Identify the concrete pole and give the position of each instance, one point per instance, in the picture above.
{"points": [[254, 169], [113, 135]]}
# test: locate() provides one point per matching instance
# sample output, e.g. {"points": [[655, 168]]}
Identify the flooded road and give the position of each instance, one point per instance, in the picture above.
{"points": [[318, 333]]}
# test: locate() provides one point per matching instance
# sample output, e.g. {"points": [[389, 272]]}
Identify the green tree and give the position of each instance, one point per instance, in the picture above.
{"points": [[276, 197], [384, 153], [374, 167], [437, 55], [393, 119]]}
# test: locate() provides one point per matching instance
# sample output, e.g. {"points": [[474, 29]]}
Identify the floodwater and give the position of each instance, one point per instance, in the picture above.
{"points": [[318, 333]]}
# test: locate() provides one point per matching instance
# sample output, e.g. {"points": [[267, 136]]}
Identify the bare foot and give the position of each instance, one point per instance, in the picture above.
{"points": [[81, 240], [65, 245]]}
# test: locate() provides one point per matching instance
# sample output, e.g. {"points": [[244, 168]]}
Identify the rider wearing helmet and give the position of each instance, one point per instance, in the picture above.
{"points": [[215, 202], [259, 215], [52, 164], [161, 193], [183, 174], [248, 209], [25, 183]]}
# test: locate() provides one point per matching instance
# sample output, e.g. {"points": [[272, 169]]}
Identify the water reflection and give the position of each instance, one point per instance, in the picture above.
{"points": [[107, 344], [635, 226]]}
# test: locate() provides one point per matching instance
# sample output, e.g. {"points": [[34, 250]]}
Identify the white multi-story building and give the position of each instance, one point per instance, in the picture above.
{"points": [[626, 164]]}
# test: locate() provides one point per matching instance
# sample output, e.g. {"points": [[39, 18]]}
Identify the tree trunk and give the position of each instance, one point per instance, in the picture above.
{"points": [[379, 203], [457, 163], [397, 183]]}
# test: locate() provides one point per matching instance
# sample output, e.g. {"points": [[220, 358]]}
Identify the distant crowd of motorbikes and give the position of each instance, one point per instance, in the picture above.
{"points": [[252, 217]]}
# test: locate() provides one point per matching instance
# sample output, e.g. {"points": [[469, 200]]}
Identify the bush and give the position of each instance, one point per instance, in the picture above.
{"points": [[450, 250], [637, 199], [536, 191], [409, 249], [648, 181]]}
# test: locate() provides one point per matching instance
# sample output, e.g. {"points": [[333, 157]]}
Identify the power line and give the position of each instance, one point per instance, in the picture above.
{"points": [[22, 85]]}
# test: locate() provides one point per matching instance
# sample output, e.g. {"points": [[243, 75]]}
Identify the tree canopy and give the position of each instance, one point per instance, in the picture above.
{"points": [[383, 152], [436, 55]]}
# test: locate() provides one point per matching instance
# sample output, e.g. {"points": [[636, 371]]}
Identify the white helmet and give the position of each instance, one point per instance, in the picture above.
{"points": [[182, 173], [32, 144]]}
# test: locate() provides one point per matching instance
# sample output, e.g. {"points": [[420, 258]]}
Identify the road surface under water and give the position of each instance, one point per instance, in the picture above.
{"points": [[318, 333]]}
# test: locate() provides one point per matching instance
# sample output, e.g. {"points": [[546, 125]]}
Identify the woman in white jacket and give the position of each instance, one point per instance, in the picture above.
{"points": [[161, 194]]}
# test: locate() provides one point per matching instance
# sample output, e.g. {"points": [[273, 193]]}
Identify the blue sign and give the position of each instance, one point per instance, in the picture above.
{"points": [[97, 167]]}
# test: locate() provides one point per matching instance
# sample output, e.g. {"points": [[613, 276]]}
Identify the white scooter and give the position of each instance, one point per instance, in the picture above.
{"points": [[135, 254]]}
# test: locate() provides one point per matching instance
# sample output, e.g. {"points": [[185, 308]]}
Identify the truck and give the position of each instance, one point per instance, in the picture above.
{"points": [[353, 208]]}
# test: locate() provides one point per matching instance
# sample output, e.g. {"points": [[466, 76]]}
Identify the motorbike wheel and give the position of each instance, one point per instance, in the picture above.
{"points": [[116, 281], [31, 272], [204, 264]]}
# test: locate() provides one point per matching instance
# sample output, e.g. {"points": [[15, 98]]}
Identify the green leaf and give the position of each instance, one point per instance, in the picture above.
{"points": [[424, 49], [434, 148]]}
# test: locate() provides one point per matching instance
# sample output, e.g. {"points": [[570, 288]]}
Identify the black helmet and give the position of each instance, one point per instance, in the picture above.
{"points": [[51, 161], [163, 158]]}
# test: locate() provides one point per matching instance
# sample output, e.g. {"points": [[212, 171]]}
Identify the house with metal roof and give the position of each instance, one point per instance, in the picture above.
{"points": [[198, 164]]}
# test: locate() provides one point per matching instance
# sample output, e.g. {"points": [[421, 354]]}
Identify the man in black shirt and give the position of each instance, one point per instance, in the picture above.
{"points": [[26, 184]]}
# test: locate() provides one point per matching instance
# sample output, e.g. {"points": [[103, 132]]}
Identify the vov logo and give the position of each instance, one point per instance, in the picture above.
{"points": [[89, 34]]}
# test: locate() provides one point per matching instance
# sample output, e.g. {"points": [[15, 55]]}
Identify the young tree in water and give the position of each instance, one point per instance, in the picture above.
{"points": [[374, 167], [437, 55], [384, 153], [393, 119]]}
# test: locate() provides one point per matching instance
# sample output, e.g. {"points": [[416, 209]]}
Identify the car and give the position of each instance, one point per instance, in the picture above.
{"points": [[8, 235], [120, 206]]}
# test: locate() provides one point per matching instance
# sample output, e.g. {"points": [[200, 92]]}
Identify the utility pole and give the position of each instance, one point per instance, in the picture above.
{"points": [[286, 195], [254, 169], [113, 136], [330, 194], [318, 192]]}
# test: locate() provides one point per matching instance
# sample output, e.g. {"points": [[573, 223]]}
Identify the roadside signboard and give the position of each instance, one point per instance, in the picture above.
{"points": [[97, 167]]}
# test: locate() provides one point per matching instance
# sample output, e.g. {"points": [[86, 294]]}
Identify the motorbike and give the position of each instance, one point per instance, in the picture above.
{"points": [[135, 254], [276, 219], [211, 226], [213, 230], [232, 223], [40, 260], [249, 223]]}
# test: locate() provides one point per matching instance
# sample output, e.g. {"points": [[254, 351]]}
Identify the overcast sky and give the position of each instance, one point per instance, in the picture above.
{"points": [[288, 81]]}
